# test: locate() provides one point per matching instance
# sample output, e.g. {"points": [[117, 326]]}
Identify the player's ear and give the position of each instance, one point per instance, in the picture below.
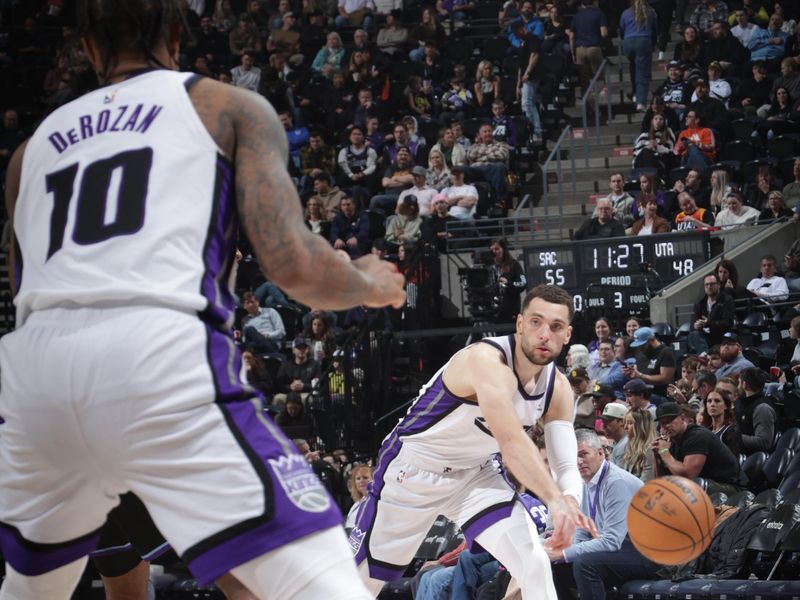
{"points": [[90, 50], [569, 334]]}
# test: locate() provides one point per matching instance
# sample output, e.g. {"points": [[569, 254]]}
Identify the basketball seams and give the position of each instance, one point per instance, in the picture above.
{"points": [[650, 517], [682, 500]]}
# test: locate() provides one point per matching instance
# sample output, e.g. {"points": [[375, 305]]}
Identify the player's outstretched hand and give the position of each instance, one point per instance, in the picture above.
{"points": [[389, 286], [567, 516]]}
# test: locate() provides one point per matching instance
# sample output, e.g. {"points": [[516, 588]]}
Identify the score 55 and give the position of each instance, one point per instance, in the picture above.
{"points": [[555, 275]]}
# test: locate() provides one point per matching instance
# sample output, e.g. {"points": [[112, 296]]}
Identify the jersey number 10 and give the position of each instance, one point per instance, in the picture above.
{"points": [[90, 214]]}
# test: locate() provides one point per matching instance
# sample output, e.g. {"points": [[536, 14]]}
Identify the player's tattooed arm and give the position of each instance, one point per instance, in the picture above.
{"points": [[13, 173], [300, 262]]}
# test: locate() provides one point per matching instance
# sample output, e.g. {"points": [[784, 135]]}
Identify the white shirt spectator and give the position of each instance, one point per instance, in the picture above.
{"points": [[384, 7], [424, 198], [461, 212], [743, 33], [351, 6], [719, 89], [771, 289], [249, 80], [726, 218]]}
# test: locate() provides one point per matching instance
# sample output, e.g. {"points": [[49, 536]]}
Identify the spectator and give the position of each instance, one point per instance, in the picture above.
{"points": [[592, 565], [725, 50], [224, 19], [262, 328], [367, 107], [743, 30], [297, 136], [789, 79], [256, 373], [639, 458], [316, 158], [293, 419], [503, 128], [706, 13], [438, 175], [11, 137], [587, 31], [358, 161], [756, 195], [691, 53], [695, 452], [350, 229], [735, 213], [487, 87], [419, 97], [393, 36], [704, 383], [775, 209], [691, 217], [637, 396], [675, 91], [328, 197], [360, 478], [605, 369], [330, 58], [428, 32], [638, 31], [578, 357], [320, 337], [584, 403], [650, 222], [712, 316], [752, 93], [755, 415], [769, 44], [405, 225], [708, 111], [696, 146], [659, 107], [396, 178], [604, 225], [770, 287], [719, 417], [316, 218], [355, 13], [420, 190], [719, 190], [631, 325], [398, 141], [244, 38], [718, 88], [453, 153], [602, 331], [693, 184], [511, 277], [488, 158], [621, 201], [529, 76], [246, 75], [529, 21], [730, 351], [655, 361], [614, 427], [299, 374], [434, 229], [655, 148], [461, 197], [791, 191], [791, 264]]}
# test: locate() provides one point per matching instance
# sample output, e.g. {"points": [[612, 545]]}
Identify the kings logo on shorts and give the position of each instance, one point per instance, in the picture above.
{"points": [[356, 539], [302, 487]]}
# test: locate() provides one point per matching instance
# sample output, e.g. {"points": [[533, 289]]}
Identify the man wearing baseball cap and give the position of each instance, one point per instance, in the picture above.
{"points": [[423, 192], [730, 351], [655, 363], [613, 423], [602, 395], [689, 450]]}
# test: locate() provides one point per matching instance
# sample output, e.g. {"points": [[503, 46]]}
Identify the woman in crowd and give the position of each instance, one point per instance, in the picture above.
{"points": [[735, 213], [438, 176], [405, 225], [781, 109], [556, 40], [637, 28], [648, 188], [654, 147], [650, 222], [776, 208], [720, 188], [691, 53], [420, 100], [361, 71], [315, 218], [604, 333], [639, 459], [320, 338], [360, 478], [511, 277], [293, 419], [256, 372], [224, 17], [718, 416], [453, 152], [427, 31], [631, 325], [486, 87], [728, 276], [330, 57]]}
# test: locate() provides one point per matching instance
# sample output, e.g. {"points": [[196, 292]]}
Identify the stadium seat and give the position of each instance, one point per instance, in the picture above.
{"points": [[790, 482], [741, 499], [664, 332], [792, 497], [753, 464], [790, 439], [794, 465], [775, 467], [743, 129], [732, 589], [496, 49], [739, 150], [769, 498], [718, 499], [678, 173], [694, 589], [782, 145]]}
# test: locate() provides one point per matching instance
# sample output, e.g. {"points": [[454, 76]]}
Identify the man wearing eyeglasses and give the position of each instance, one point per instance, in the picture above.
{"points": [[712, 316]]}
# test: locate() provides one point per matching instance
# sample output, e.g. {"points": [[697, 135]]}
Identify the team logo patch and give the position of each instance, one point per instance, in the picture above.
{"points": [[356, 539], [302, 487], [110, 97]]}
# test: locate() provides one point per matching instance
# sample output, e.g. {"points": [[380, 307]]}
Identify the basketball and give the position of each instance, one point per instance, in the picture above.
{"points": [[670, 520]]}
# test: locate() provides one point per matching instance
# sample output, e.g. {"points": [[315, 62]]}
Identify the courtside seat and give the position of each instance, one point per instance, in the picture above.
{"points": [[776, 466], [789, 439], [769, 498], [752, 467], [741, 499]]}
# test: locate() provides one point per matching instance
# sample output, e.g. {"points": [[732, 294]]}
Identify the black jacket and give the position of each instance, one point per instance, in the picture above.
{"points": [[720, 319]]}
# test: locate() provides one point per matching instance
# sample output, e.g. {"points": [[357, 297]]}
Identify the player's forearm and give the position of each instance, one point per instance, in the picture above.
{"points": [[522, 458]]}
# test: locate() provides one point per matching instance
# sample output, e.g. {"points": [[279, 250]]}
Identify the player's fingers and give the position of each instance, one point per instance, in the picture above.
{"points": [[589, 525]]}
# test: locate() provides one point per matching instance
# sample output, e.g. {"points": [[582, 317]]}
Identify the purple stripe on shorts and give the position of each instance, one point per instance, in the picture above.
{"points": [[226, 364], [296, 502], [480, 523], [220, 247], [385, 573], [31, 558], [110, 550]]}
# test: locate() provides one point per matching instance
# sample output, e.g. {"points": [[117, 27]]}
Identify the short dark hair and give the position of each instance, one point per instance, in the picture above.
{"points": [[706, 377], [754, 378], [137, 26], [551, 294]]}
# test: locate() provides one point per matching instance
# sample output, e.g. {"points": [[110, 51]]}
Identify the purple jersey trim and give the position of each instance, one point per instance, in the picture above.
{"points": [[286, 477], [32, 558], [485, 519]]}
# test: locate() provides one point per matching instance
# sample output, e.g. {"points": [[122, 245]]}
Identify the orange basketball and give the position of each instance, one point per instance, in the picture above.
{"points": [[670, 520]]}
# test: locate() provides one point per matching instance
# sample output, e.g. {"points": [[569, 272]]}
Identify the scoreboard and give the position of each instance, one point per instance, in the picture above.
{"points": [[616, 276]]}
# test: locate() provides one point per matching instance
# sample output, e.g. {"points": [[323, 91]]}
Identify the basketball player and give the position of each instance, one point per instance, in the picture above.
{"points": [[440, 458], [123, 373]]}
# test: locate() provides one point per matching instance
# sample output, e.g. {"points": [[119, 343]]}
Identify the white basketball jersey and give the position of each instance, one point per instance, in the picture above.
{"points": [[443, 429], [126, 199]]}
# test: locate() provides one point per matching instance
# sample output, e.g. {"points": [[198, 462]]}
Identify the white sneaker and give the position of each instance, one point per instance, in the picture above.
{"points": [[536, 138], [641, 108], [660, 55]]}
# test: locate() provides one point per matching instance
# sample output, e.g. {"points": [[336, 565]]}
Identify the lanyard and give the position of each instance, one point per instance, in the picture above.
{"points": [[593, 504]]}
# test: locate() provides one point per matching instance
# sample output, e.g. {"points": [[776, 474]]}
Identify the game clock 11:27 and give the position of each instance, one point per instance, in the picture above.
{"points": [[616, 274]]}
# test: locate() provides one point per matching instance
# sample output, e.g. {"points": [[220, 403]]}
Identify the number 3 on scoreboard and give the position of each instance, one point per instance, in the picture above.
{"points": [[93, 199]]}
